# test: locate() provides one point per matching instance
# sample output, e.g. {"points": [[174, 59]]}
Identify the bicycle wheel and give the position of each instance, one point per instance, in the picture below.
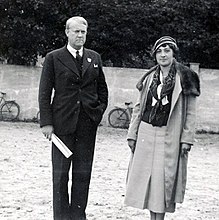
{"points": [[10, 111], [118, 118]]}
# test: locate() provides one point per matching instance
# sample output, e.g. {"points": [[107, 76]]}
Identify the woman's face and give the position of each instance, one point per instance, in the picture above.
{"points": [[164, 55]]}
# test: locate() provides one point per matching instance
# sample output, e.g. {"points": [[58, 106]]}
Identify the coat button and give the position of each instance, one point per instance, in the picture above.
{"points": [[78, 102]]}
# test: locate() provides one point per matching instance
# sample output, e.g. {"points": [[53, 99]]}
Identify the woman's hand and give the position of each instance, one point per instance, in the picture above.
{"points": [[185, 148], [131, 144]]}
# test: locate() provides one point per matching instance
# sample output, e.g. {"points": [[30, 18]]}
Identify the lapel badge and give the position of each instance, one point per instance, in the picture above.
{"points": [[88, 60], [95, 65]]}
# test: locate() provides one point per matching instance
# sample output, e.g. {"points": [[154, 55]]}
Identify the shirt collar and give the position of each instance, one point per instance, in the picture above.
{"points": [[73, 51]]}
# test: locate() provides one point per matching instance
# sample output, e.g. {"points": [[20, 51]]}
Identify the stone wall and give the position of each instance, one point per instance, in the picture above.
{"points": [[21, 84], [208, 102]]}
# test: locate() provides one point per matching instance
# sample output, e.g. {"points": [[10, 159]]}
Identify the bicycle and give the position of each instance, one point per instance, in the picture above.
{"points": [[9, 110], [120, 117]]}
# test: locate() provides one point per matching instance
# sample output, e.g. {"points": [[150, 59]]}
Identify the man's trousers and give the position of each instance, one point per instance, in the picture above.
{"points": [[82, 144]]}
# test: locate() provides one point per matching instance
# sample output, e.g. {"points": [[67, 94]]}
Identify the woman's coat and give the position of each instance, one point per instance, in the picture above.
{"points": [[180, 129]]}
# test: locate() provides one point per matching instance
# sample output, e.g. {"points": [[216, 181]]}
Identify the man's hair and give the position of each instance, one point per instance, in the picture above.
{"points": [[77, 19]]}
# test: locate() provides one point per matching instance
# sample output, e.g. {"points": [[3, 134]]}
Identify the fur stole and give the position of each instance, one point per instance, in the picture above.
{"points": [[189, 79]]}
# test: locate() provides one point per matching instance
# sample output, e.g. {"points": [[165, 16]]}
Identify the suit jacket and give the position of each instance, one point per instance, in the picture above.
{"points": [[63, 90]]}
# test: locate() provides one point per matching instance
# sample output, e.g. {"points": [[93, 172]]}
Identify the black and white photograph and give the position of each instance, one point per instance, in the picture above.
{"points": [[109, 110]]}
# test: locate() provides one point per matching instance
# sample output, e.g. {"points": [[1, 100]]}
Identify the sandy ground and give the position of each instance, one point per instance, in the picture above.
{"points": [[25, 177]]}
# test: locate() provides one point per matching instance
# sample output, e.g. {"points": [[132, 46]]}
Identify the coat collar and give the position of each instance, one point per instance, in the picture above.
{"points": [[66, 58], [176, 91], [187, 82], [189, 79]]}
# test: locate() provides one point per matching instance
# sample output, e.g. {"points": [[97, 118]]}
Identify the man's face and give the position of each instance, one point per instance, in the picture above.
{"points": [[164, 55], [76, 34]]}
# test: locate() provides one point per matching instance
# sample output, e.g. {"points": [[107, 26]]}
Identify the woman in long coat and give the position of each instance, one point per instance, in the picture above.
{"points": [[161, 133]]}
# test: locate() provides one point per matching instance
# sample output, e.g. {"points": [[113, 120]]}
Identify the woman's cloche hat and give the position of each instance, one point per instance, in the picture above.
{"points": [[161, 41]]}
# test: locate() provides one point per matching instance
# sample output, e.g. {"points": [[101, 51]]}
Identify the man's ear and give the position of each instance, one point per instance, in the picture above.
{"points": [[66, 32]]}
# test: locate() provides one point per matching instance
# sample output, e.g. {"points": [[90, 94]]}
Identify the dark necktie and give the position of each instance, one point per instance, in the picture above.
{"points": [[78, 58], [79, 62]]}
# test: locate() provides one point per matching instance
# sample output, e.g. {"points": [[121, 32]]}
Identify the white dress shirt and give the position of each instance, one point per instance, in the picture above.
{"points": [[73, 51]]}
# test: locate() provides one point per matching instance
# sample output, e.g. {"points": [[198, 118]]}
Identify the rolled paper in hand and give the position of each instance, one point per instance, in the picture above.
{"points": [[61, 146]]}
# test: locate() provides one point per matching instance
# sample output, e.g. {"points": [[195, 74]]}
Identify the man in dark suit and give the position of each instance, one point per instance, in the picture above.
{"points": [[73, 96]]}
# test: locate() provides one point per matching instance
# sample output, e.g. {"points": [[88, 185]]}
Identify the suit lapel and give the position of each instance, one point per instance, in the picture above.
{"points": [[66, 58], [87, 60]]}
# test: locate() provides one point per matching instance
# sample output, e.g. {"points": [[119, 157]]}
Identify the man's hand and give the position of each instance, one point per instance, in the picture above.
{"points": [[47, 131], [185, 148], [132, 144]]}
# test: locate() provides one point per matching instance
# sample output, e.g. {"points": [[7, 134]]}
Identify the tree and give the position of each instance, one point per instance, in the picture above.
{"points": [[30, 28], [122, 31], [19, 31]]}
